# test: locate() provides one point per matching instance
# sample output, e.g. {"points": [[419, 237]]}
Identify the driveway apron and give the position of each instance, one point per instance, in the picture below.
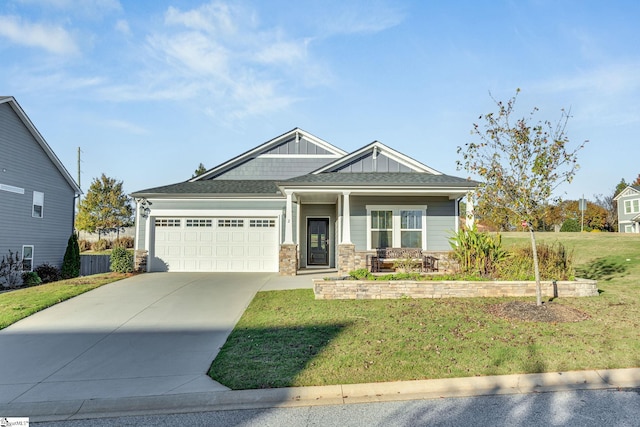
{"points": [[147, 335]]}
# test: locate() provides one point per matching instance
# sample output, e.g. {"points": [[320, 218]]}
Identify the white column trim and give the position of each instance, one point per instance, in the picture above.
{"points": [[288, 228], [346, 219], [469, 216]]}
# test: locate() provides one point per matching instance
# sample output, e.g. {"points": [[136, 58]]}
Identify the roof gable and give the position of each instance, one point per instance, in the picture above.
{"points": [[632, 190], [11, 101], [306, 150], [376, 157]]}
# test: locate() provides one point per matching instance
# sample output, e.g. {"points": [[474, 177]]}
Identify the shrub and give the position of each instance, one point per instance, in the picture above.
{"points": [[84, 245], [361, 274], [100, 245], [477, 253], [123, 242], [121, 260], [554, 260], [31, 278], [48, 273], [11, 270], [71, 261], [570, 225]]}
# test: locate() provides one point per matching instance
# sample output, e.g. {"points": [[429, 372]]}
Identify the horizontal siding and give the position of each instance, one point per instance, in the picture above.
{"points": [[440, 218], [24, 164], [441, 222]]}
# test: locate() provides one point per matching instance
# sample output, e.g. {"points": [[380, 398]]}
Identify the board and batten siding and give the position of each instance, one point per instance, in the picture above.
{"points": [[440, 213], [24, 164]]}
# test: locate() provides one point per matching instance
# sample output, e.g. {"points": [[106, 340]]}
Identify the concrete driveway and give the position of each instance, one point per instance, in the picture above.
{"points": [[148, 335]]}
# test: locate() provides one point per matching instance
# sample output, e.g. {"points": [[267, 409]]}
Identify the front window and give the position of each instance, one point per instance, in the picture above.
{"points": [[411, 229], [396, 226], [381, 229]]}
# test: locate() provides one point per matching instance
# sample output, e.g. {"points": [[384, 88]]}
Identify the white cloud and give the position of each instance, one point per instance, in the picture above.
{"points": [[52, 38], [361, 17], [122, 26]]}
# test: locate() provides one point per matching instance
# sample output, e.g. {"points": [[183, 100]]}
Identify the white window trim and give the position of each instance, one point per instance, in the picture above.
{"points": [[396, 221], [33, 253], [38, 200], [631, 210]]}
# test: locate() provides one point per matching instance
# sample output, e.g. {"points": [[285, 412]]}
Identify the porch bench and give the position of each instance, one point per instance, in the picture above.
{"points": [[387, 255]]}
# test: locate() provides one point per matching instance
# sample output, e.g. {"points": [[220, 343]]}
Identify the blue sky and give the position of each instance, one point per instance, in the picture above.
{"points": [[150, 89]]}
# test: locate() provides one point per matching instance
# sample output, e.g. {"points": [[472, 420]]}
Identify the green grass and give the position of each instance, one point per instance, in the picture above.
{"points": [[20, 303], [286, 338]]}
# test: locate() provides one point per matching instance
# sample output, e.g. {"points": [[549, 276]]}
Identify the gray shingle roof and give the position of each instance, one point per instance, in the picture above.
{"points": [[228, 187], [377, 178]]}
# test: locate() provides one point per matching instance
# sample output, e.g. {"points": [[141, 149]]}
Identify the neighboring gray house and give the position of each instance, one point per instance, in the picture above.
{"points": [[37, 194], [298, 202], [629, 210]]}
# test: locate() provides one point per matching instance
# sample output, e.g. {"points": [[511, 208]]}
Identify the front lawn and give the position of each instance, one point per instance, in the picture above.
{"points": [[287, 338], [20, 303]]}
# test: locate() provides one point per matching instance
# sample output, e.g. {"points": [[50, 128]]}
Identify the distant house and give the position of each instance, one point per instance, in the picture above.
{"points": [[298, 202], [37, 194], [629, 209]]}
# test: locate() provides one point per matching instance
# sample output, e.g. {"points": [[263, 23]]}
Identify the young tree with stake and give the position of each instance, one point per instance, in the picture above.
{"points": [[520, 165]]}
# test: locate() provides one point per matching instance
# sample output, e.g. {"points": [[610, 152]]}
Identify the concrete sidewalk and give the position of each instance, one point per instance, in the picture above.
{"points": [[325, 395]]}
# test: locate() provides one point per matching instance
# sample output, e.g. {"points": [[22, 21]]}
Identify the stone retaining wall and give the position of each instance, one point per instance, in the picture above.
{"points": [[378, 289]]}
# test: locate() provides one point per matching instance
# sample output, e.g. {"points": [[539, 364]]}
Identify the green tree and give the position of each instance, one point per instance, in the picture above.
{"points": [[520, 165], [621, 186], [201, 169], [71, 261], [105, 207]]}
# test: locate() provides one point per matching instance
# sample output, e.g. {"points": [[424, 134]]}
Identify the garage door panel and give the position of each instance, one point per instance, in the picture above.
{"points": [[215, 244]]}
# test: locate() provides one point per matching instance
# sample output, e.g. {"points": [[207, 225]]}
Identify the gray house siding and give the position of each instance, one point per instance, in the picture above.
{"points": [[303, 146], [317, 211], [24, 164], [441, 222], [440, 218], [367, 163], [272, 168]]}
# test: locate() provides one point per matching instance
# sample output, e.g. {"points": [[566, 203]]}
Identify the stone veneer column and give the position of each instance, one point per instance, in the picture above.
{"points": [[288, 260], [140, 261], [346, 258]]}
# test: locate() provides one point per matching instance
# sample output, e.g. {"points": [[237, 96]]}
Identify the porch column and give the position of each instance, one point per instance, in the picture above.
{"points": [[346, 219], [288, 227], [469, 217]]}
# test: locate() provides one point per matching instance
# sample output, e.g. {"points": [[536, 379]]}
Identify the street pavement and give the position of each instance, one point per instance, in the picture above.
{"points": [[573, 408]]}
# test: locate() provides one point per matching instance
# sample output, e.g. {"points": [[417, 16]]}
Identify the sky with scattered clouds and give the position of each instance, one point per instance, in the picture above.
{"points": [[150, 89]]}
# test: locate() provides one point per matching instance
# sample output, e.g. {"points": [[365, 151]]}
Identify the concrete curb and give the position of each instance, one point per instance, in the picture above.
{"points": [[325, 395]]}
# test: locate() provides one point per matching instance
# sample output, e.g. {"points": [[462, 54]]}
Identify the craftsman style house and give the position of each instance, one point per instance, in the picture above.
{"points": [[37, 194], [298, 202]]}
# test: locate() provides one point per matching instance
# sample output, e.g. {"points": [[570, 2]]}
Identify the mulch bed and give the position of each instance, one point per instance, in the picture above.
{"points": [[530, 312]]}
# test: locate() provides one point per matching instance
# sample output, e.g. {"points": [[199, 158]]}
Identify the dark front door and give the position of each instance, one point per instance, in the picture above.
{"points": [[318, 242]]}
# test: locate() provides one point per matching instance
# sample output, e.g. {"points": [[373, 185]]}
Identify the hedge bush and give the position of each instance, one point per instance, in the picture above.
{"points": [[48, 273], [121, 260]]}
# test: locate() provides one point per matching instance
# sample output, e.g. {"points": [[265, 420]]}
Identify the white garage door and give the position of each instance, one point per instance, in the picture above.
{"points": [[215, 244]]}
